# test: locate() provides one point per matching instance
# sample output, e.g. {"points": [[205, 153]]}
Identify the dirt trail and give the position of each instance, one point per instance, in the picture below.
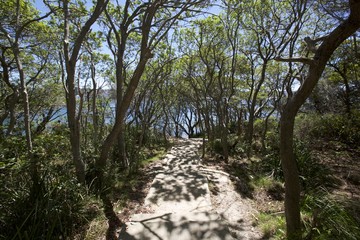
{"points": [[236, 211], [181, 203]]}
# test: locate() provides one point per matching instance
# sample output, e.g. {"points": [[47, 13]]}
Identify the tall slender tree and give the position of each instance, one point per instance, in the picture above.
{"points": [[71, 53]]}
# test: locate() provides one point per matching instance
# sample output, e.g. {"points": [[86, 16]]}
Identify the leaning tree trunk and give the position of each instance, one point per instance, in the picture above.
{"points": [[317, 65]]}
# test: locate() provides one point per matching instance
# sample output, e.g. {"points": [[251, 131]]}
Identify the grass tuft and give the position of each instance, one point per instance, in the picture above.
{"points": [[271, 225]]}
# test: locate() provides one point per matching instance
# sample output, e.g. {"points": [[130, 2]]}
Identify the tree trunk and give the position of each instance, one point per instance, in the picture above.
{"points": [[10, 100], [291, 174], [317, 65], [70, 65], [95, 113], [347, 100], [164, 128], [121, 109], [266, 123], [250, 130], [239, 123], [13, 100], [26, 108], [224, 142], [46, 119], [71, 103], [23, 87], [74, 127], [124, 161], [223, 130], [207, 124]]}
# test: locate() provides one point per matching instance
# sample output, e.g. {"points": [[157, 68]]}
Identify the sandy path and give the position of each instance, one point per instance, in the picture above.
{"points": [[180, 199]]}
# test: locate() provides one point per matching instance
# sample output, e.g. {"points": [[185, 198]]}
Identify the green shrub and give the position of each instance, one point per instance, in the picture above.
{"points": [[271, 165], [325, 218], [241, 148], [272, 226], [216, 146], [328, 127], [56, 206], [58, 210], [273, 140], [312, 173], [258, 127]]}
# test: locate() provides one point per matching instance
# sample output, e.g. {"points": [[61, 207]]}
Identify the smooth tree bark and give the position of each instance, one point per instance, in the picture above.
{"points": [[289, 111], [71, 57], [94, 109]]}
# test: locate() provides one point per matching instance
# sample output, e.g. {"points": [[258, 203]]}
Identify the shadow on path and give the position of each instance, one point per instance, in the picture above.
{"points": [[180, 198]]}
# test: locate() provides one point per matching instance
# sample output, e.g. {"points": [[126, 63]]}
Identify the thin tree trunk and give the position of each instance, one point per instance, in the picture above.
{"points": [[10, 101], [266, 123], [71, 103], [347, 94], [224, 131], [120, 116], [70, 65], [26, 108], [122, 147], [250, 130], [13, 100], [239, 123], [95, 114]]}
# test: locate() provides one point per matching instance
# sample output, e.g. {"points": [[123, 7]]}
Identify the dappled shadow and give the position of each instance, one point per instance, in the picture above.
{"points": [[241, 174], [180, 199], [169, 226], [178, 186], [237, 212], [243, 182], [180, 183], [236, 230]]}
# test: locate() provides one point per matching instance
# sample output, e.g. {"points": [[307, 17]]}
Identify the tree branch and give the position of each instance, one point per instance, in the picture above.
{"points": [[300, 60]]}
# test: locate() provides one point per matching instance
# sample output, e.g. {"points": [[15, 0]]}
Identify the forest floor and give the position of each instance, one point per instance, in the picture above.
{"points": [[188, 198]]}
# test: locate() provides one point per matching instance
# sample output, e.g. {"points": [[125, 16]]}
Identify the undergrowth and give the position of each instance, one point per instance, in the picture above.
{"points": [[324, 216], [271, 225], [56, 206]]}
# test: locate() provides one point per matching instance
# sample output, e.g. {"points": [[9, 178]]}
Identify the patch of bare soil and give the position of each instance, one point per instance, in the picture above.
{"points": [[238, 212]]}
